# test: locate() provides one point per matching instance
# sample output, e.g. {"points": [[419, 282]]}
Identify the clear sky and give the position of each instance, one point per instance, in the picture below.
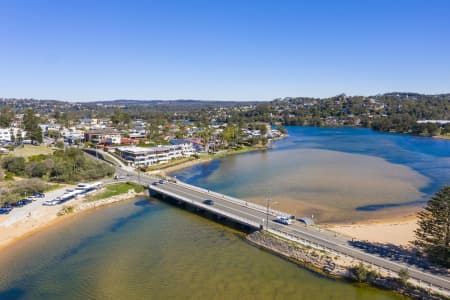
{"points": [[224, 49]]}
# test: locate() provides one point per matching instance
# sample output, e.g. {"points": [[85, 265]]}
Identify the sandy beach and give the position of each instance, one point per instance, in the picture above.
{"points": [[398, 231]]}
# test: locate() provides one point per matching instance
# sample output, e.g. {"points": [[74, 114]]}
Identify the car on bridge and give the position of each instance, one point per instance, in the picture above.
{"points": [[283, 220], [208, 202]]}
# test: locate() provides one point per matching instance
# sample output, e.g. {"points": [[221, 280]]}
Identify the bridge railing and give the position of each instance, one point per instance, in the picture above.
{"points": [[241, 202]]}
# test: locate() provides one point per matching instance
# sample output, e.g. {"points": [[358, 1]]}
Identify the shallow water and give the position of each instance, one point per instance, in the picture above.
{"points": [[151, 250], [335, 175]]}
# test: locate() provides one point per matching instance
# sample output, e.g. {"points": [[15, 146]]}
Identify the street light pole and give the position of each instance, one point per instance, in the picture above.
{"points": [[139, 176], [267, 215]]}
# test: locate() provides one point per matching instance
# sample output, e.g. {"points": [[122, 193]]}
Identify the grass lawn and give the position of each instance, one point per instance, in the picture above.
{"points": [[30, 150], [115, 189], [243, 149]]}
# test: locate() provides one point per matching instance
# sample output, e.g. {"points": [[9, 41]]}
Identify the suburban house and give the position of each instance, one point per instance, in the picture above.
{"points": [[11, 134], [147, 156], [103, 136]]}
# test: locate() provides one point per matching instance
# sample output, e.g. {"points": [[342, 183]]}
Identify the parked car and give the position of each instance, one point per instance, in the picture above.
{"points": [[39, 195], [208, 202], [51, 202], [161, 181], [22, 202], [5, 211]]}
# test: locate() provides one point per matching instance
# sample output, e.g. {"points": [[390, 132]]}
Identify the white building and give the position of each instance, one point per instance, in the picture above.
{"points": [[142, 156], [11, 133], [434, 121]]}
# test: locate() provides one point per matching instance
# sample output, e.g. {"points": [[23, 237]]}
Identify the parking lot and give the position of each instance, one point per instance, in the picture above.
{"points": [[21, 213]]}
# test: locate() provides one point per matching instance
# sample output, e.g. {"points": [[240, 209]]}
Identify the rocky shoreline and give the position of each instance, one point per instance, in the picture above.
{"points": [[94, 204], [331, 265]]}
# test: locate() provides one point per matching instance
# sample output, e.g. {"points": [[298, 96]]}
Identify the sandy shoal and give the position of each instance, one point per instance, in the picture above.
{"points": [[398, 231]]}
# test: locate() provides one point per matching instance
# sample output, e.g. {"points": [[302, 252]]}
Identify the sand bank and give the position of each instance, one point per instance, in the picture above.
{"points": [[399, 231]]}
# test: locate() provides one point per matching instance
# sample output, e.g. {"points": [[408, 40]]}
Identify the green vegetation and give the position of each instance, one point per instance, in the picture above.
{"points": [[32, 150], [115, 189], [6, 117], [362, 274], [31, 126], [403, 276], [66, 210], [171, 163], [64, 166], [238, 150], [11, 192], [433, 234]]}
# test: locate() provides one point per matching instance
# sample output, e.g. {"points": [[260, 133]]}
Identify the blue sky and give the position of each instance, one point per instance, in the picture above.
{"points": [[227, 50]]}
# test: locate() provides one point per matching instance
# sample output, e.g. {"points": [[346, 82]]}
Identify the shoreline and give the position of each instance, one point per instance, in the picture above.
{"points": [[48, 216]]}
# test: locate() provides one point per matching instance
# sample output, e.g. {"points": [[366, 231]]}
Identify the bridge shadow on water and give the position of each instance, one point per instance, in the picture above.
{"points": [[410, 256]]}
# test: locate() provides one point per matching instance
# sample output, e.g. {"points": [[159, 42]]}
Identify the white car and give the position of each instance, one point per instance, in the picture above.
{"points": [[51, 202]]}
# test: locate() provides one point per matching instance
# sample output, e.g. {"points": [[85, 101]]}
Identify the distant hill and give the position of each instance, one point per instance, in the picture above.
{"points": [[178, 102]]}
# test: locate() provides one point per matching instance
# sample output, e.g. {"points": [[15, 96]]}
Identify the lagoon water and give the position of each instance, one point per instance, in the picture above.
{"points": [[334, 174], [151, 250]]}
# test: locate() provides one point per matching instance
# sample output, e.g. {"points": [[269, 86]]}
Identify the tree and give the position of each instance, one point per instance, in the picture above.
{"points": [[31, 125], [360, 273], [433, 234], [403, 276], [6, 117], [14, 165]]}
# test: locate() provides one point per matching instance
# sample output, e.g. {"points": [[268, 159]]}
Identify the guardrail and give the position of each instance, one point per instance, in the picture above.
{"points": [[251, 205]]}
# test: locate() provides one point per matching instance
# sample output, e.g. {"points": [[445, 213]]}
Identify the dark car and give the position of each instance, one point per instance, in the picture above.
{"points": [[161, 181], [22, 202], [208, 202], [39, 195], [5, 210]]}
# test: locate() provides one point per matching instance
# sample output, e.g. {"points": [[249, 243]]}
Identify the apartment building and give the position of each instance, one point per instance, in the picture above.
{"points": [[147, 156]]}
